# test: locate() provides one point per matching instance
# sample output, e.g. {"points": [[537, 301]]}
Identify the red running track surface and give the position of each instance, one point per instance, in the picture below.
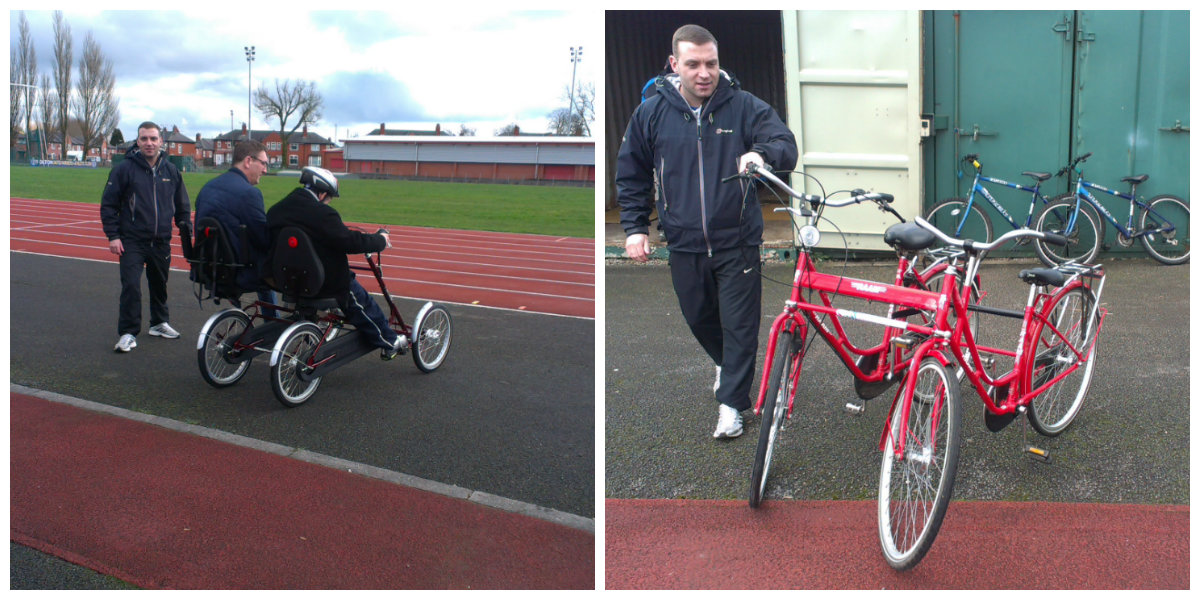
{"points": [[535, 273]]}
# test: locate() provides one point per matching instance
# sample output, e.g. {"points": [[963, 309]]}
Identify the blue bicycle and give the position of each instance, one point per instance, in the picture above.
{"points": [[1162, 228], [963, 218]]}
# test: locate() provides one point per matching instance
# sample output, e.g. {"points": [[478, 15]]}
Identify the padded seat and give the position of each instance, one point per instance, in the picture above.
{"points": [[1135, 178], [908, 236], [1052, 277], [297, 272], [214, 264], [1037, 175]]}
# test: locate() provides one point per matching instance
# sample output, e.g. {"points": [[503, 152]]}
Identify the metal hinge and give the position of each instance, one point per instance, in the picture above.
{"points": [[1178, 128]]}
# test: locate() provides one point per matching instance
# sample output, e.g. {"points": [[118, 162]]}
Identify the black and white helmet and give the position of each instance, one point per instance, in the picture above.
{"points": [[319, 180]]}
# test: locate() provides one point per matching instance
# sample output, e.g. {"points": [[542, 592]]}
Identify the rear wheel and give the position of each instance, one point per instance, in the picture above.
{"points": [[953, 218], [290, 364], [915, 487], [220, 362], [1172, 247], [779, 393], [1084, 236], [1065, 340], [431, 337]]}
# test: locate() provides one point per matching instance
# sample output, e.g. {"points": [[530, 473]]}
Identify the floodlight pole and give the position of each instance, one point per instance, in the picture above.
{"points": [[576, 56], [249, 85]]}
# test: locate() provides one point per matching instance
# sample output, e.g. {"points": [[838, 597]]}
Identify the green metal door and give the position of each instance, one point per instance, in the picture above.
{"points": [[1027, 90]]}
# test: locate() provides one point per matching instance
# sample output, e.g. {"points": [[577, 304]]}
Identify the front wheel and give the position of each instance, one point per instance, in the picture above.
{"points": [[953, 218], [779, 394], [221, 364], [1065, 340], [291, 365], [431, 337], [915, 486], [1084, 235], [1173, 245]]}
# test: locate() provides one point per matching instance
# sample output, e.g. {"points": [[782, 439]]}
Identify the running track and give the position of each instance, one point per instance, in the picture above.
{"points": [[535, 273]]}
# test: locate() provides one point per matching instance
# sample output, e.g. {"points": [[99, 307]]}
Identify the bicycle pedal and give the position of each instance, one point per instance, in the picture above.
{"points": [[903, 341], [855, 408], [1037, 454]]}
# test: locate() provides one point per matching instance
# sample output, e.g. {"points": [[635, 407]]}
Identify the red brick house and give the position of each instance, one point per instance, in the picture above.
{"points": [[304, 149]]}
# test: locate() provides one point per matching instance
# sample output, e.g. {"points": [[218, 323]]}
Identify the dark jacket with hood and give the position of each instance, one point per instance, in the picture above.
{"points": [[330, 237], [140, 202], [233, 201], [699, 213]]}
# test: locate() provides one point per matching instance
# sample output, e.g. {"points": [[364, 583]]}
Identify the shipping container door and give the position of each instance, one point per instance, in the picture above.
{"points": [[853, 97]]}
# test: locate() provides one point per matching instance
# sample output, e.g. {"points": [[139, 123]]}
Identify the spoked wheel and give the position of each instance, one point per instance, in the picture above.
{"points": [[1084, 236], [1174, 246], [289, 364], [431, 337], [779, 392], [1065, 340], [215, 353], [915, 487], [954, 219]]}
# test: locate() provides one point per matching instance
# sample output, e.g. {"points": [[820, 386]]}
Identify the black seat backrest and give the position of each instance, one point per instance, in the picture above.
{"points": [[295, 266], [214, 264]]}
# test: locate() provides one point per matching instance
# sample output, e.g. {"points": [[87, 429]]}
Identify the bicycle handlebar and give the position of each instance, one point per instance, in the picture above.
{"points": [[1074, 161], [981, 247], [859, 195]]}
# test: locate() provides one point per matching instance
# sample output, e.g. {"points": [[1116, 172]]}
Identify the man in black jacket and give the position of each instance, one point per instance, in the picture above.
{"points": [[144, 194], [307, 207], [697, 129]]}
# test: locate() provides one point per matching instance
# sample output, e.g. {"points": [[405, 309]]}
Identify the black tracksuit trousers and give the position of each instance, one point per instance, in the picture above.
{"points": [[721, 300]]}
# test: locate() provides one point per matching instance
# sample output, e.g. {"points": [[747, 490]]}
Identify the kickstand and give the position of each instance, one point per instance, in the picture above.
{"points": [[1031, 451]]}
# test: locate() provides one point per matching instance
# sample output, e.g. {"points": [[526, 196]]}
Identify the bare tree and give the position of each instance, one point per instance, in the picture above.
{"points": [[300, 99], [23, 97], [575, 120], [15, 105], [96, 103], [464, 131], [510, 129], [63, 53], [47, 112]]}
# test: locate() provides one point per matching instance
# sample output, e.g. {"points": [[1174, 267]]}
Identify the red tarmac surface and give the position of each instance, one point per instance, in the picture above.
{"points": [[681, 544], [535, 273], [164, 509]]}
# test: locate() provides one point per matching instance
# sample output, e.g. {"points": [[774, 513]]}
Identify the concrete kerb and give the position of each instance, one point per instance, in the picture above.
{"points": [[482, 498]]}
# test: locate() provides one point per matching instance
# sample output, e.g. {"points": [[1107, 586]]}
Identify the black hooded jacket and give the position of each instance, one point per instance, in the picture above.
{"points": [[141, 202], [699, 213]]}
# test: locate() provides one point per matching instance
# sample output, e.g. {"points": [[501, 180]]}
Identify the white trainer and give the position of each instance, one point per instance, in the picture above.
{"points": [[164, 330], [126, 343], [729, 425]]}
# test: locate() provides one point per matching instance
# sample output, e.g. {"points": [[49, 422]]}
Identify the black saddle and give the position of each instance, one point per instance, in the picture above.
{"points": [[1135, 178], [214, 263], [297, 272], [1037, 175], [908, 236], [1052, 277]]}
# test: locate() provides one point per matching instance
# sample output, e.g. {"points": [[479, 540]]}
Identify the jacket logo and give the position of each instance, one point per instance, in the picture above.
{"points": [[723, 131]]}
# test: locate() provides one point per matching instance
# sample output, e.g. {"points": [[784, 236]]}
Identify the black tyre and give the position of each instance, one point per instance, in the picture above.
{"points": [[1173, 246], [953, 218], [220, 364], [1083, 237], [915, 488], [290, 365], [432, 334], [779, 392], [1064, 340]]}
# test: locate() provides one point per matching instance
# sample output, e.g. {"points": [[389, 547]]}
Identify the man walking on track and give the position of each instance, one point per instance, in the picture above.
{"points": [[699, 128], [143, 196]]}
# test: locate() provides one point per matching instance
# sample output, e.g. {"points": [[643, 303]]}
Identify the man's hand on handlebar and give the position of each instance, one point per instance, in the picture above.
{"points": [[637, 247], [386, 240], [748, 158]]}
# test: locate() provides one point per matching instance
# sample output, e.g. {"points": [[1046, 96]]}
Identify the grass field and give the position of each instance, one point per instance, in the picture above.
{"points": [[560, 211]]}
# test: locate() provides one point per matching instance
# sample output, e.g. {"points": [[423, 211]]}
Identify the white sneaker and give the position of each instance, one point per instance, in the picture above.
{"points": [[729, 425], [126, 343], [717, 382], [164, 330]]}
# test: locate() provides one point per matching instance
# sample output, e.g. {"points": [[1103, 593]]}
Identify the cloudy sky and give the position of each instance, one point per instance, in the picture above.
{"points": [[410, 68]]}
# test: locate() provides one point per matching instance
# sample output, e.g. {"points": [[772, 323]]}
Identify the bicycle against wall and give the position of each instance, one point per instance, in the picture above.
{"points": [[1051, 367], [964, 218], [1162, 228]]}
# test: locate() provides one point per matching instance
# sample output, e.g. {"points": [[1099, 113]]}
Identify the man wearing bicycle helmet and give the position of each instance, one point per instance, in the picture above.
{"points": [[698, 128], [307, 207]]}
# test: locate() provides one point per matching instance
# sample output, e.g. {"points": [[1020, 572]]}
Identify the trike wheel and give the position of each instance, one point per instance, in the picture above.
{"points": [[215, 351], [1065, 340], [431, 337], [915, 486], [779, 393], [290, 364]]}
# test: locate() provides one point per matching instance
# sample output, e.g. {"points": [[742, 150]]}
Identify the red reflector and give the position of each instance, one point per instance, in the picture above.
{"points": [[293, 242], [207, 231]]}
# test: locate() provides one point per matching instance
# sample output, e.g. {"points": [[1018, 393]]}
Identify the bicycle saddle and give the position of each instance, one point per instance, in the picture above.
{"points": [[1135, 178], [1037, 175], [908, 236], [1052, 277]]}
